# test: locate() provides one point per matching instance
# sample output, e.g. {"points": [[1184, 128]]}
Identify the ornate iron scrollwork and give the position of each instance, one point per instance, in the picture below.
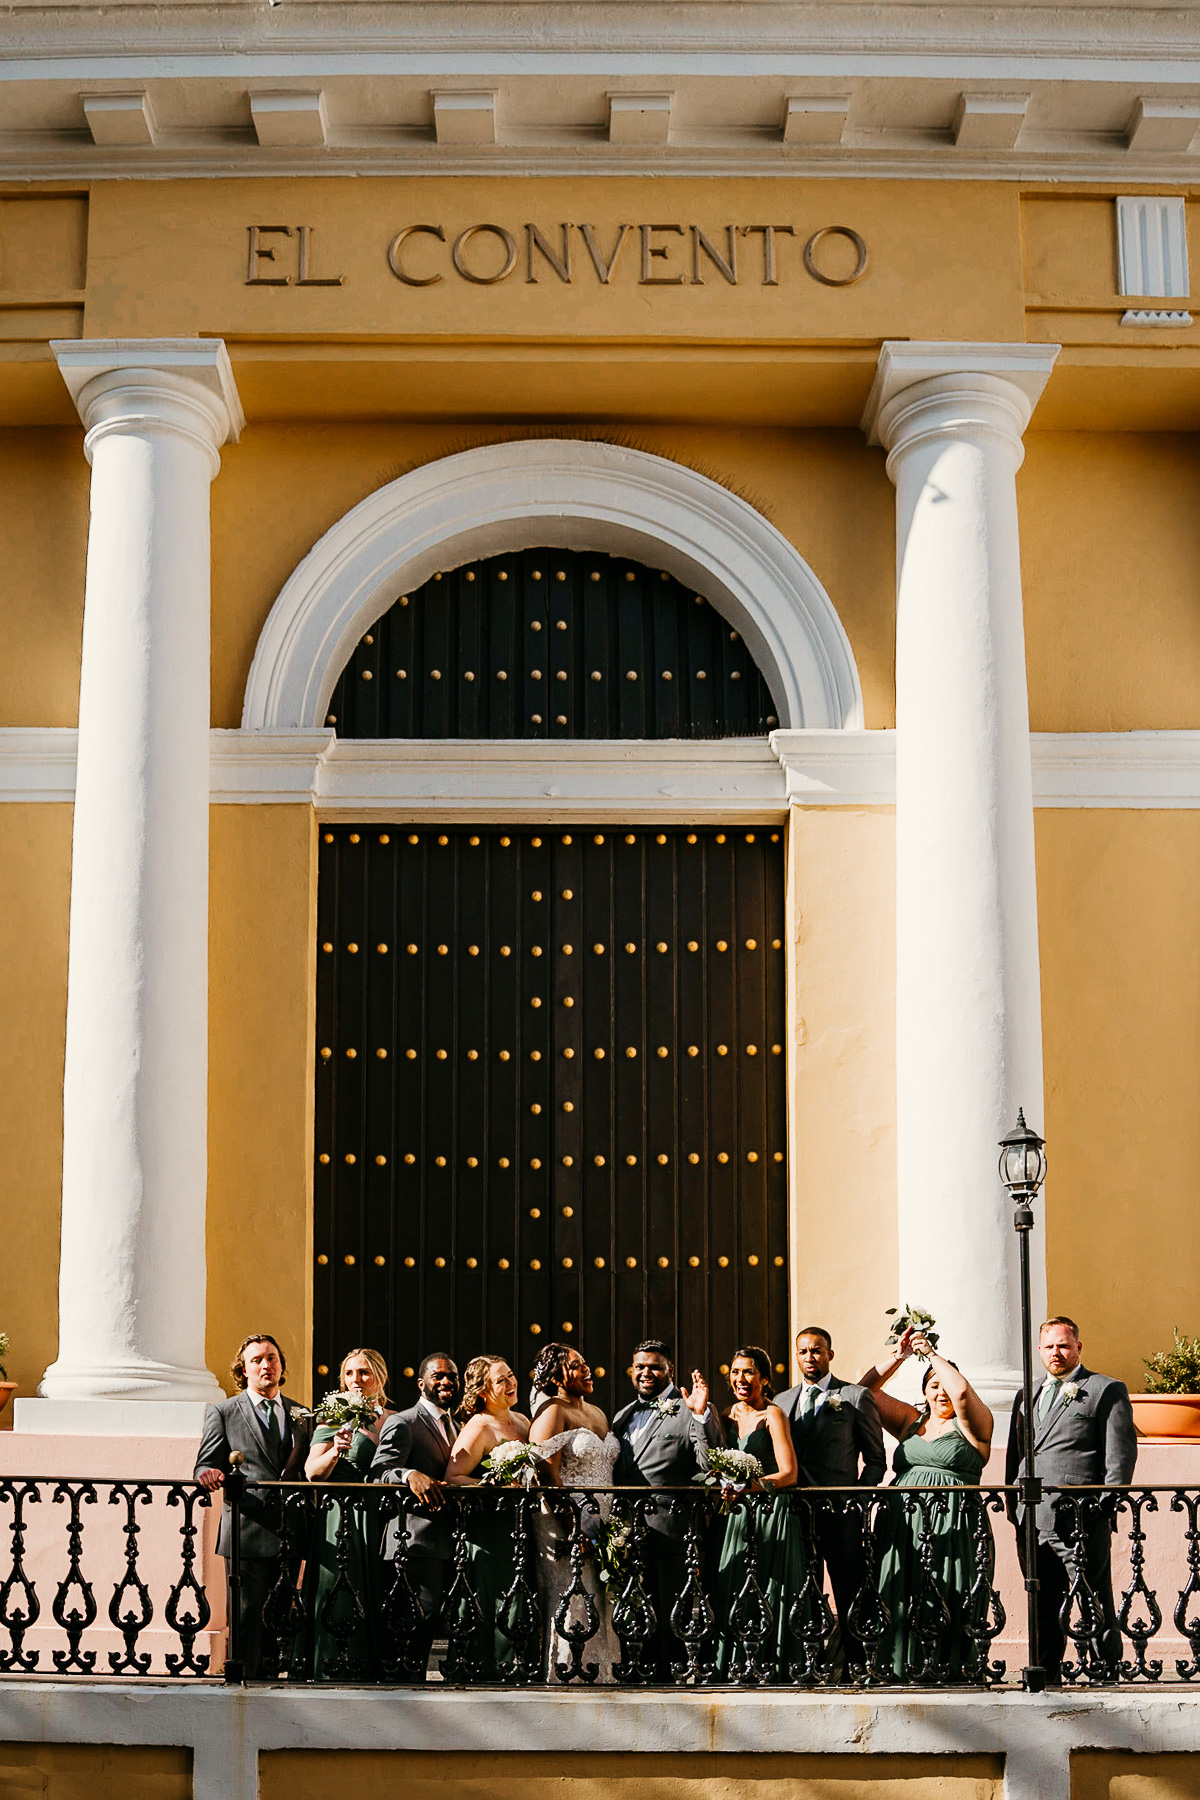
{"points": [[518, 1617], [131, 1592], [465, 1621], [73, 1619], [692, 1618], [20, 1618], [635, 1619], [577, 1631], [810, 1617], [401, 1614], [187, 1611], [1139, 1630], [1082, 1615]]}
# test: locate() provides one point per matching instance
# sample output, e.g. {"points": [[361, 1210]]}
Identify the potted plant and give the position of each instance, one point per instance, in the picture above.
{"points": [[7, 1388], [1170, 1406]]}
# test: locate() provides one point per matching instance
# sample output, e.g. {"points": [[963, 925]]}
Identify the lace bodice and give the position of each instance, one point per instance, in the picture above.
{"points": [[587, 1459]]}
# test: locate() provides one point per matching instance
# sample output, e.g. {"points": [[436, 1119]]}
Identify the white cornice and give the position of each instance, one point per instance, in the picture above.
{"points": [[370, 72], [742, 777]]}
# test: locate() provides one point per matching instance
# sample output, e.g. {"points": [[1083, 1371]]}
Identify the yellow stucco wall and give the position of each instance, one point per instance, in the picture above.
{"points": [[456, 1775], [94, 1772], [1110, 561], [842, 1012], [1123, 1775], [35, 858], [43, 542], [262, 978], [1120, 944]]}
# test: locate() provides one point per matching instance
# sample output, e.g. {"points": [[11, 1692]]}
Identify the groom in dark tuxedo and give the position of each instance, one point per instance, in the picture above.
{"points": [[664, 1435], [1083, 1436], [258, 1424], [414, 1448], [839, 1443]]}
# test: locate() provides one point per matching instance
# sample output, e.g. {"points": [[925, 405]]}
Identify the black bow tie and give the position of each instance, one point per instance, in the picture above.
{"points": [[645, 1405]]}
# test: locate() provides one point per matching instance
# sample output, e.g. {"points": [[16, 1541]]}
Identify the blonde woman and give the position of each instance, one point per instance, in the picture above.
{"points": [[343, 1617], [488, 1419]]}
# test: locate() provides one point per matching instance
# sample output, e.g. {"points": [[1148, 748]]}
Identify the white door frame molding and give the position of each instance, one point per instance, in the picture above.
{"points": [[562, 494]]}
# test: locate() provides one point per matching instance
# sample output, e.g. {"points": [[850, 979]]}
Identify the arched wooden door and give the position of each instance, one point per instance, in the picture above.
{"points": [[550, 1073]]}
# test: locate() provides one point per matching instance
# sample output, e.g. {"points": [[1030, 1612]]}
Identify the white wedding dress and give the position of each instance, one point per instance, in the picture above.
{"points": [[587, 1461]]}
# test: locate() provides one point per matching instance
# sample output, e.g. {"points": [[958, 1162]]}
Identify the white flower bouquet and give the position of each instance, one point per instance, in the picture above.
{"points": [[733, 1471], [735, 1468], [513, 1464], [911, 1318], [341, 1410], [613, 1548]]}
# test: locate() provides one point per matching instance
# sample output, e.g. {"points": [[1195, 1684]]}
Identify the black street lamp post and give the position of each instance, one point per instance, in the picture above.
{"points": [[1023, 1170]]}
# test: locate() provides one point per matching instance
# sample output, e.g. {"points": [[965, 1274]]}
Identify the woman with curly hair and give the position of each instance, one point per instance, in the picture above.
{"points": [[488, 1420], [776, 1568]]}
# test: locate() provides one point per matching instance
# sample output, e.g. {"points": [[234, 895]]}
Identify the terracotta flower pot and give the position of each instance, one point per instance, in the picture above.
{"points": [[1166, 1415], [7, 1390]]}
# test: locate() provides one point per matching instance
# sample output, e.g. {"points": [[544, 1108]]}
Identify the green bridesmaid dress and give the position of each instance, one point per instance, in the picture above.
{"points": [[344, 1613], [946, 1529], [779, 1565]]}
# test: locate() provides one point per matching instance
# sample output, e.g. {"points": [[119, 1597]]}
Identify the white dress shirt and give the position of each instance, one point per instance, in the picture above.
{"points": [[439, 1418]]}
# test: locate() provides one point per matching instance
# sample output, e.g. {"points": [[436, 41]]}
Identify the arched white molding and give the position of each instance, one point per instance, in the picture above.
{"points": [[559, 493]]}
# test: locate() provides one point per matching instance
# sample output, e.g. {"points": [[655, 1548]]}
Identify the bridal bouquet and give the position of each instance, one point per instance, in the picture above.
{"points": [[911, 1318], [613, 1548], [512, 1465], [341, 1410], [733, 1471]]}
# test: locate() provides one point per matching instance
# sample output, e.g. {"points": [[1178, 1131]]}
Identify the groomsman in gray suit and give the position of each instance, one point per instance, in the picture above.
{"points": [[1083, 1436], [261, 1425], [414, 1448], [839, 1443], [664, 1435]]}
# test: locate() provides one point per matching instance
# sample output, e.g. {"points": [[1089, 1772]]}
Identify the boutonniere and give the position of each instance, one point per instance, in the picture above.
{"points": [[833, 1401], [1071, 1390], [665, 1409]]}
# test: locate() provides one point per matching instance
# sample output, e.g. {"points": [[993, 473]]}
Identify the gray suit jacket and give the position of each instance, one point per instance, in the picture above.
{"points": [[234, 1424], [1086, 1442], [669, 1453], [411, 1440], [831, 1444]]}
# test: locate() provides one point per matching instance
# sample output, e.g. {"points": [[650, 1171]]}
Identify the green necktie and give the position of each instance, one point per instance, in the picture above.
{"points": [[1048, 1396], [808, 1405], [271, 1423]]}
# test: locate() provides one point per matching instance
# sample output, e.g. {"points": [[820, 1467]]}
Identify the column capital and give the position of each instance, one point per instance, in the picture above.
{"points": [[181, 384], [924, 390]]}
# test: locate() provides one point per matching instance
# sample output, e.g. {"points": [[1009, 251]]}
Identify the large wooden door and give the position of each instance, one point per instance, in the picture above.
{"points": [[550, 1095]]}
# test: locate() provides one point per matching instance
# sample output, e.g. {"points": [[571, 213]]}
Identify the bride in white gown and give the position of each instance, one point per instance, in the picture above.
{"points": [[574, 1437]]}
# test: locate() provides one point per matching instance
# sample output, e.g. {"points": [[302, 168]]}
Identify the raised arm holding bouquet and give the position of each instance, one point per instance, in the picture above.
{"points": [[943, 1444]]}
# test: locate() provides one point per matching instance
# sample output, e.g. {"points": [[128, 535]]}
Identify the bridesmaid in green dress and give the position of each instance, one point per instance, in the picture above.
{"points": [[489, 1389], [945, 1443], [344, 1611], [753, 1424]]}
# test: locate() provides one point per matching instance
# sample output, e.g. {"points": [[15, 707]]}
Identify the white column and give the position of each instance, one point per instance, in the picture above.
{"points": [[968, 996], [132, 1269]]}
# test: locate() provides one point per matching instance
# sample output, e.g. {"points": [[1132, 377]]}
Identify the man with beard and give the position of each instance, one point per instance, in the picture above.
{"points": [[414, 1448], [665, 1434]]}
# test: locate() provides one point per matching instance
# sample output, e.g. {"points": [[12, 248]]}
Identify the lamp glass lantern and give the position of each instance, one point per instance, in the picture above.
{"points": [[1022, 1160]]}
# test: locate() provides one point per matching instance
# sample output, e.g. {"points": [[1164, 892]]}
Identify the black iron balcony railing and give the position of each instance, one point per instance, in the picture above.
{"points": [[118, 1579]]}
